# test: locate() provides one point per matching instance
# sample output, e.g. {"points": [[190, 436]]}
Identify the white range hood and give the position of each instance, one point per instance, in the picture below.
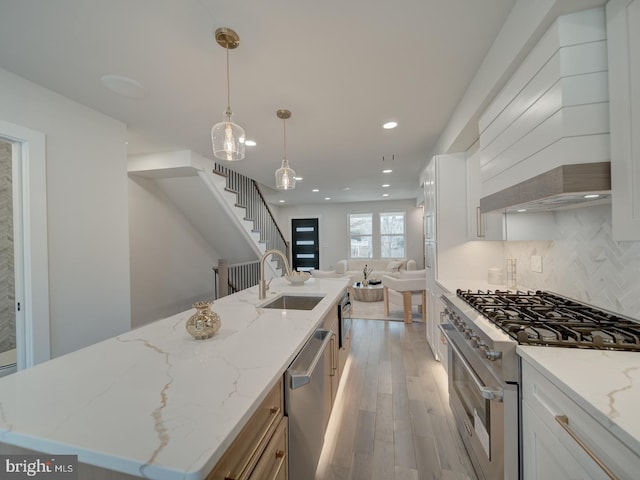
{"points": [[544, 139]]}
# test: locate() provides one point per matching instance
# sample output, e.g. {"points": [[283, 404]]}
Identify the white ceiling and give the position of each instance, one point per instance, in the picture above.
{"points": [[343, 67]]}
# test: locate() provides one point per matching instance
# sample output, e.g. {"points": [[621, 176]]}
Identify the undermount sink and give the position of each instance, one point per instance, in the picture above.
{"points": [[293, 302]]}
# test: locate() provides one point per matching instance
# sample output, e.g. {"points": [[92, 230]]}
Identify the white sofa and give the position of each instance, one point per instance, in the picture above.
{"points": [[354, 268]]}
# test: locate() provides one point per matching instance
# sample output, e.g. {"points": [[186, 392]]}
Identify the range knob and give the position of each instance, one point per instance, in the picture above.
{"points": [[493, 355], [475, 341], [468, 333]]}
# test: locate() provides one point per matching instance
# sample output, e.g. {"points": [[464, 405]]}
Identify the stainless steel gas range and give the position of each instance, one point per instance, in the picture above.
{"points": [[483, 330]]}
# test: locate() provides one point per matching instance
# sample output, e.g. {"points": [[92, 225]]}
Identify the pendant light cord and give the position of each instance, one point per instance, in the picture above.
{"points": [[228, 112], [284, 124]]}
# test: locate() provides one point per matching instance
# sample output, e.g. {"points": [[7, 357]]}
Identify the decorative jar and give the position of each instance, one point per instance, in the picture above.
{"points": [[204, 323]]}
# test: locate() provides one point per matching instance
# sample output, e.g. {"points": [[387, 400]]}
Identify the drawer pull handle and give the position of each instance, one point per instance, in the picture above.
{"points": [[563, 420], [279, 453], [274, 411]]}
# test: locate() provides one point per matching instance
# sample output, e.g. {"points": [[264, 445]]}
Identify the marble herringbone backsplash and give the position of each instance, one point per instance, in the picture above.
{"points": [[7, 293], [585, 263]]}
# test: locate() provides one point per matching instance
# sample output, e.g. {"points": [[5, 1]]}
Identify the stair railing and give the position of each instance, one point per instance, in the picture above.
{"points": [[240, 276], [250, 197]]}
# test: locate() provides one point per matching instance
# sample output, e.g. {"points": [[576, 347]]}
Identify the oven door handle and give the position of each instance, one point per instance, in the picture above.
{"points": [[486, 392]]}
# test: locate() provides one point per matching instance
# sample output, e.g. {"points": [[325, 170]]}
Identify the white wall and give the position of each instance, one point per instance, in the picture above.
{"points": [[87, 213], [170, 260], [333, 226]]}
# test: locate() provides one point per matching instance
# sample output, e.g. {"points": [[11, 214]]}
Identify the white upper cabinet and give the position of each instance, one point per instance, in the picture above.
{"points": [[554, 110], [480, 226], [623, 30]]}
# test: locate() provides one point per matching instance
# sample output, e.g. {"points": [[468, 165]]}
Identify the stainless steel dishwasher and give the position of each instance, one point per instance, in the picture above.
{"points": [[308, 404]]}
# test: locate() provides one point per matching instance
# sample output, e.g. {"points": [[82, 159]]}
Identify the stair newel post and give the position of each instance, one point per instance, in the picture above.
{"points": [[223, 277]]}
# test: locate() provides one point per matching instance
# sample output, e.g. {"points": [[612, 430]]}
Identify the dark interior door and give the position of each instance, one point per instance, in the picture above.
{"points": [[305, 250]]}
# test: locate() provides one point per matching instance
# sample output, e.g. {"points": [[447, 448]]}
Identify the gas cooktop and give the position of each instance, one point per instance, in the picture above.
{"points": [[544, 318]]}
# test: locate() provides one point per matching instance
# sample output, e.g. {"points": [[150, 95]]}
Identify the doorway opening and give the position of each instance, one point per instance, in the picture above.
{"points": [[305, 248], [26, 301]]}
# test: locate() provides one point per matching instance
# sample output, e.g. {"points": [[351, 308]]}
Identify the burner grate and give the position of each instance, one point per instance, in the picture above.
{"points": [[544, 318]]}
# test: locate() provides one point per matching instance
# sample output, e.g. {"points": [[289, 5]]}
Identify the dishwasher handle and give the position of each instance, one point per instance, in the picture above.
{"points": [[313, 350]]}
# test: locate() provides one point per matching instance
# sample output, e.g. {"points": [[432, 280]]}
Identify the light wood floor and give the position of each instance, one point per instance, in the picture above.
{"points": [[392, 418]]}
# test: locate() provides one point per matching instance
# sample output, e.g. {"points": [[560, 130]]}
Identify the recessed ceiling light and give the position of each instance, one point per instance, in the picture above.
{"points": [[390, 125], [522, 210], [346, 189], [298, 179], [315, 190], [388, 170], [385, 194], [250, 143], [327, 198], [127, 87], [281, 201], [386, 185], [592, 195]]}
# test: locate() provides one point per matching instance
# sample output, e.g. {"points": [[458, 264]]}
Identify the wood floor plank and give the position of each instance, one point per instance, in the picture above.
{"points": [[420, 422], [365, 432], [403, 473], [384, 418], [384, 376], [383, 461], [427, 458], [403, 444], [361, 467]]}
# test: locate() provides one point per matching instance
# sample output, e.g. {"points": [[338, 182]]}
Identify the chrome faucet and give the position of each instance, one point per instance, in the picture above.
{"points": [[262, 284]]}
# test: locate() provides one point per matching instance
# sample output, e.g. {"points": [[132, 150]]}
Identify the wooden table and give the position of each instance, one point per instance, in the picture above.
{"points": [[370, 293]]}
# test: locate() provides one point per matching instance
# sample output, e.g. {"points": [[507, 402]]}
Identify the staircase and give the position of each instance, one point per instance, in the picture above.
{"points": [[227, 208], [250, 198]]}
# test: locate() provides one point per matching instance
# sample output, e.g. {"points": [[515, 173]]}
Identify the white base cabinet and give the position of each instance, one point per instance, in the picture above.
{"points": [[562, 441]]}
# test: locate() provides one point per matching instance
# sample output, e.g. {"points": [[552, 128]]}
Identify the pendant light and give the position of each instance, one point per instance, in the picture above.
{"points": [[227, 137], [285, 176]]}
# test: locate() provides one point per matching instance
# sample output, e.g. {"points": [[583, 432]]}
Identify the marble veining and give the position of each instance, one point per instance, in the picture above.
{"points": [[154, 402], [613, 412]]}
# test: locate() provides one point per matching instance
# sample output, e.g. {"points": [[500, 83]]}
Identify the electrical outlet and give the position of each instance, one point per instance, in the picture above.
{"points": [[536, 263]]}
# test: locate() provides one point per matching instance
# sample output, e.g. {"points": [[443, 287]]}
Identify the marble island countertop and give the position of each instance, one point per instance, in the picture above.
{"points": [[154, 402], [604, 383]]}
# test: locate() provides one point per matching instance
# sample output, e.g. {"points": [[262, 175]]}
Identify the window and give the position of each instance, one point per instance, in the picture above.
{"points": [[361, 235], [392, 235], [379, 235]]}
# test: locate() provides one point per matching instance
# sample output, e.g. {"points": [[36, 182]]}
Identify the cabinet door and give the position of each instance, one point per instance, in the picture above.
{"points": [[545, 457], [623, 43], [480, 226], [273, 462]]}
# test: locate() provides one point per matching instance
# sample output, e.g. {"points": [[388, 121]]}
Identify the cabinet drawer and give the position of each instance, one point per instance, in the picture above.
{"points": [[273, 463], [241, 457], [576, 430]]}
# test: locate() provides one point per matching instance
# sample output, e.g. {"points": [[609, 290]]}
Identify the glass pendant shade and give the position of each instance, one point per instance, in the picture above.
{"points": [[228, 140], [285, 177]]}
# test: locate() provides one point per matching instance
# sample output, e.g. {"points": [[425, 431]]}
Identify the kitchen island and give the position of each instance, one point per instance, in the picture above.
{"points": [[154, 402]]}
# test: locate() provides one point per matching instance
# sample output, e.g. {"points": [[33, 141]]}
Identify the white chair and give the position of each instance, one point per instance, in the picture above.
{"points": [[406, 289]]}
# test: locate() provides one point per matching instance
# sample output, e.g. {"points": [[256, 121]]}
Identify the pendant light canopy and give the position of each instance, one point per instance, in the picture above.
{"points": [[285, 175], [227, 137]]}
